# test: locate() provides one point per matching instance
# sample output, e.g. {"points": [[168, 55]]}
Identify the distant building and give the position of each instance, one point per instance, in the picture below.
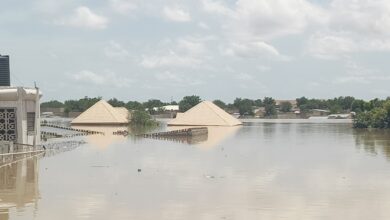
{"points": [[4, 71], [293, 103], [340, 116], [319, 112], [19, 115], [55, 111], [170, 108]]}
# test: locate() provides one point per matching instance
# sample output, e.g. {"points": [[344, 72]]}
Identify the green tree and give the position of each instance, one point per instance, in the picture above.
{"points": [[302, 101], [302, 104], [188, 102], [52, 104], [362, 120], [334, 109], [141, 118], [151, 104], [134, 105], [359, 106], [285, 107], [244, 106], [220, 104], [116, 103], [346, 102], [378, 117], [81, 104], [258, 103], [270, 107]]}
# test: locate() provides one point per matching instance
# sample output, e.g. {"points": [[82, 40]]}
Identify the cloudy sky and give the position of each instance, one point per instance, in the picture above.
{"points": [[137, 49]]}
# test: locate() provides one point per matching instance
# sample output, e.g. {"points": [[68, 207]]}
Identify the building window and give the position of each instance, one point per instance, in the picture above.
{"points": [[8, 124], [30, 121]]}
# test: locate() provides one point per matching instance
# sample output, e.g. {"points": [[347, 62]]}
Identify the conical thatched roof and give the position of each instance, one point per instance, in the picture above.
{"points": [[205, 113], [103, 113]]}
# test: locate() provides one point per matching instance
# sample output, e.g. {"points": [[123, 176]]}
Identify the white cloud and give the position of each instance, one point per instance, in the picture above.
{"points": [[253, 49], [176, 14], [124, 6], [244, 77], [191, 46], [249, 26], [177, 80], [258, 49], [203, 26], [182, 53], [108, 79], [330, 46], [264, 19], [171, 59], [83, 17], [361, 16], [216, 7], [116, 51], [334, 45], [353, 26], [49, 6], [356, 73]]}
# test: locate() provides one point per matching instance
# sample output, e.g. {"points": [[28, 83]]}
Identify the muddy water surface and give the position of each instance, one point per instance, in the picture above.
{"points": [[263, 170]]}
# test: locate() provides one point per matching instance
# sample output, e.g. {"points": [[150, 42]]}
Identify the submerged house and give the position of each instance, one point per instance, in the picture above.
{"points": [[205, 113], [102, 113]]}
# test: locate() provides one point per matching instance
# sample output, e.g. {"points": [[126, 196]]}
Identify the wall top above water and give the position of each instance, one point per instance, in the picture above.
{"points": [[15, 93]]}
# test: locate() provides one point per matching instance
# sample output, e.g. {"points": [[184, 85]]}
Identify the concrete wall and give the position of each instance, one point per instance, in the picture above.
{"points": [[22, 107]]}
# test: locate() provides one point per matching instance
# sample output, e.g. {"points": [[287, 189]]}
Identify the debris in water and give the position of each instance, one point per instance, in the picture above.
{"points": [[139, 170]]}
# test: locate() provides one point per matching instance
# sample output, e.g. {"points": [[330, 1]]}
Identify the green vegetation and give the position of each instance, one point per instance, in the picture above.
{"points": [[142, 118], [270, 107], [151, 104], [377, 117], [188, 102], [285, 107], [220, 104], [337, 105], [244, 106], [52, 104], [116, 103], [80, 105], [369, 114]]}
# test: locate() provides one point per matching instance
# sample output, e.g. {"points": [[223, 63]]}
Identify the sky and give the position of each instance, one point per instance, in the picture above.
{"points": [[138, 50]]}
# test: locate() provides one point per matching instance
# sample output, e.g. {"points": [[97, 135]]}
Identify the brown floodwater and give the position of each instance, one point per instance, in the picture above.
{"points": [[262, 170]]}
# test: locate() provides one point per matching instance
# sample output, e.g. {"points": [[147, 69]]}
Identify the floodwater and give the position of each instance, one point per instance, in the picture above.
{"points": [[262, 170]]}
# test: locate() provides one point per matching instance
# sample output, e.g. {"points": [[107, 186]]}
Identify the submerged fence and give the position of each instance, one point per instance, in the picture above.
{"points": [[13, 152], [188, 132]]}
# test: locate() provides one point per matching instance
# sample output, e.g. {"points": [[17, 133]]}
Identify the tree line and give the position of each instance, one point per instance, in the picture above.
{"points": [[378, 116], [150, 106], [364, 110]]}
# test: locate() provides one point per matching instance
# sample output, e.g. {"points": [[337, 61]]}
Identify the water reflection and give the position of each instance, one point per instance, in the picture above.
{"points": [[18, 186], [216, 135], [191, 140], [106, 140], [373, 141], [262, 171]]}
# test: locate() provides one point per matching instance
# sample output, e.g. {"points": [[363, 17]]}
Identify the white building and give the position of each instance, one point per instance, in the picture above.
{"points": [[172, 108], [19, 115]]}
